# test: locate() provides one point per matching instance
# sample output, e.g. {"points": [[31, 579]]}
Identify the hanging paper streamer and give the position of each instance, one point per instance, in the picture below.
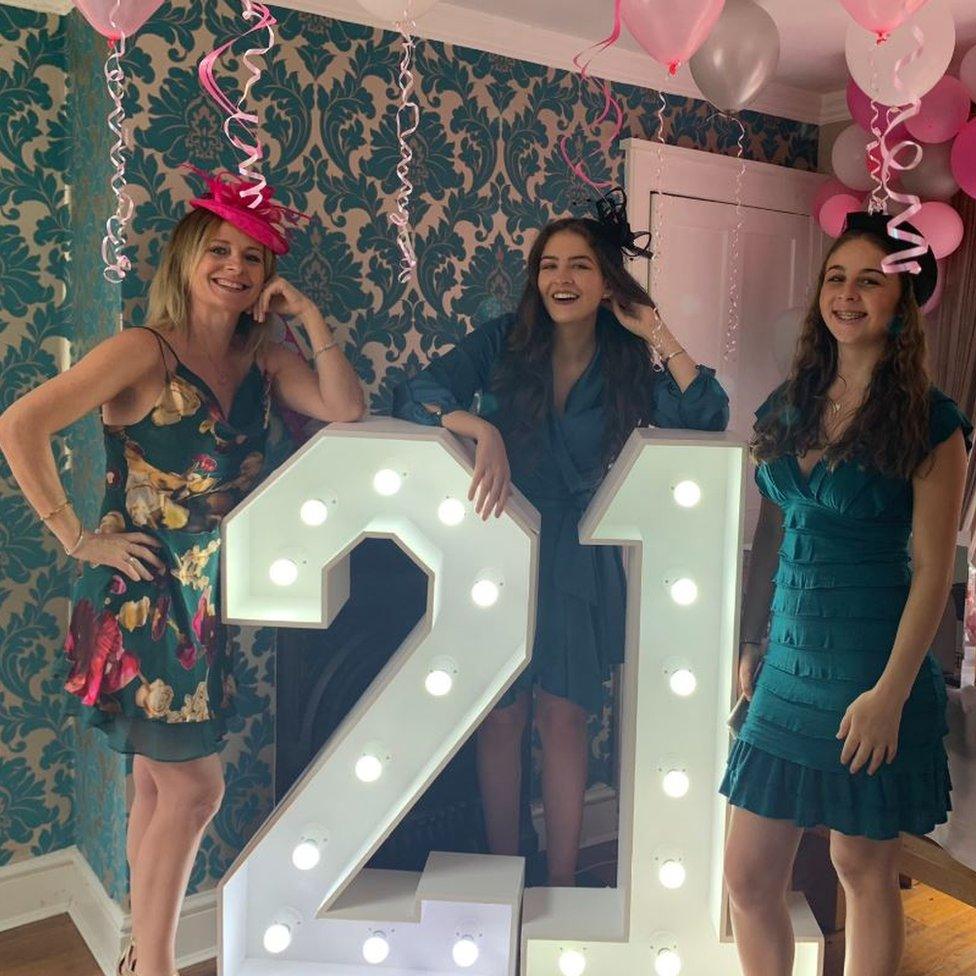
{"points": [[117, 265], [407, 122], [903, 260], [610, 104], [732, 325], [241, 126], [657, 213]]}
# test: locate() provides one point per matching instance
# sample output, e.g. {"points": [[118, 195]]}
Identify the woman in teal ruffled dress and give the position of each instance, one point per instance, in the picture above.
{"points": [[559, 387], [861, 467]]}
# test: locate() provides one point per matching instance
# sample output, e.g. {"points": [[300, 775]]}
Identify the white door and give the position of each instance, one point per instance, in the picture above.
{"points": [[699, 268]]}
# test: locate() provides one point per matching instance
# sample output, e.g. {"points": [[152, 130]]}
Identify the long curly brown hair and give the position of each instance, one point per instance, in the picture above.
{"points": [[889, 432], [522, 381]]}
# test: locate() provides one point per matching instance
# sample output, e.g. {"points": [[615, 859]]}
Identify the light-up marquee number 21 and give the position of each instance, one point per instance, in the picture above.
{"points": [[286, 564], [675, 500]]}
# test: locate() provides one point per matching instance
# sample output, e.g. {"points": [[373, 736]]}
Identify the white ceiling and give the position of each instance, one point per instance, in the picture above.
{"points": [[808, 85]]}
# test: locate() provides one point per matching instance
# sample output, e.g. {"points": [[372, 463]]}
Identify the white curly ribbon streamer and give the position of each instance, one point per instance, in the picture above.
{"points": [[731, 344], [903, 260], [658, 223], [117, 265], [246, 138], [407, 123]]}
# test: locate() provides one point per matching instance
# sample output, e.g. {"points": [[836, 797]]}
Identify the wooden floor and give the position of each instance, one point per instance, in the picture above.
{"points": [[941, 942]]}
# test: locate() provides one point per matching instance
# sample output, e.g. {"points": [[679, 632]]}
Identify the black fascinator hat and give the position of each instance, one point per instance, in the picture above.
{"points": [[614, 228], [876, 224]]}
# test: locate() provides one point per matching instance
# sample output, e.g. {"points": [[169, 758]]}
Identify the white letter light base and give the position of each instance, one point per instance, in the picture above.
{"points": [[631, 930], [413, 733]]}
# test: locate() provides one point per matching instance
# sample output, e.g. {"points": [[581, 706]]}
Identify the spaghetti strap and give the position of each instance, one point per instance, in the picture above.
{"points": [[161, 342]]}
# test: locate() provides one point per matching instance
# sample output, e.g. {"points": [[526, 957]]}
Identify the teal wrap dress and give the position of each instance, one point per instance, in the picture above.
{"points": [[581, 589], [145, 661], [840, 588]]}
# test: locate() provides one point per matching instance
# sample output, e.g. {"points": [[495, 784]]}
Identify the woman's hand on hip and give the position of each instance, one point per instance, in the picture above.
{"points": [[869, 729], [492, 480], [130, 553]]}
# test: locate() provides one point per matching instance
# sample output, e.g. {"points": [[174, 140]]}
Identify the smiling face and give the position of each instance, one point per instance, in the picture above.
{"points": [[857, 299], [569, 280], [230, 271]]}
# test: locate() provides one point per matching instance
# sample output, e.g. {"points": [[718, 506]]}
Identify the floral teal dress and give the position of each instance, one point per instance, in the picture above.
{"points": [[840, 589], [145, 660], [579, 635]]}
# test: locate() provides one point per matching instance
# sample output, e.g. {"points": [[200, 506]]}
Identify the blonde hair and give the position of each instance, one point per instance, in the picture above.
{"points": [[169, 292]]}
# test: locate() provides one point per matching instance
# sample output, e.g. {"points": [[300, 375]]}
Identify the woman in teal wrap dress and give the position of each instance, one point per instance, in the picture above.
{"points": [[185, 406], [861, 467], [545, 422]]}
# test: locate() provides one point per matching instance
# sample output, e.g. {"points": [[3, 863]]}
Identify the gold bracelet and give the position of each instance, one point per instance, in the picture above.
{"points": [[54, 511], [329, 345], [73, 549]]}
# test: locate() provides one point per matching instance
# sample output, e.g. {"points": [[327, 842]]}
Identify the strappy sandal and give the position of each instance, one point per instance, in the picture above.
{"points": [[127, 961]]}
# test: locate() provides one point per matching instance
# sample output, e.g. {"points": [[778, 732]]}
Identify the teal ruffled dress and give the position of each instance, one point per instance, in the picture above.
{"points": [[580, 619], [840, 589]]}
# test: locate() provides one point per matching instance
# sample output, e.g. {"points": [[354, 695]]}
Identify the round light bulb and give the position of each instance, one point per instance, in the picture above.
{"points": [[572, 962], [676, 783], [277, 937], [283, 572], [376, 948], [306, 855], [684, 591], [438, 683], [484, 593], [387, 482], [313, 512], [369, 768], [683, 682], [451, 511], [672, 874], [465, 952], [667, 963], [687, 494]]}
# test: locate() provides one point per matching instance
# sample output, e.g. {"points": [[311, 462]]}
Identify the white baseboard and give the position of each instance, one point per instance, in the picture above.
{"points": [[63, 882]]}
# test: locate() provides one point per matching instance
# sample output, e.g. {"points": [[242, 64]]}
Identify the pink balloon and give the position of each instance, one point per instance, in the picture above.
{"points": [[881, 16], [963, 159], [829, 188], [835, 210], [859, 105], [943, 113], [933, 302], [132, 14], [670, 31], [940, 225]]}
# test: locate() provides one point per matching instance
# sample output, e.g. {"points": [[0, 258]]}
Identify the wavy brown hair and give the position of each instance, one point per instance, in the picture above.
{"points": [[523, 377], [890, 431], [169, 292]]}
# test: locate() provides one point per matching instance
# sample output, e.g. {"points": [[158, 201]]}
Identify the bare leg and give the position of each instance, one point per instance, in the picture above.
{"points": [[868, 870], [140, 814], [499, 756], [188, 797], [759, 855], [562, 729]]}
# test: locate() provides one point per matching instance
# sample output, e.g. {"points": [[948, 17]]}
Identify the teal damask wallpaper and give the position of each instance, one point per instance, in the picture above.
{"points": [[486, 176]]}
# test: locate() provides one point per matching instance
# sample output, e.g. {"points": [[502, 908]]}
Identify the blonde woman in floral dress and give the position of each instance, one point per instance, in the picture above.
{"points": [[185, 404]]}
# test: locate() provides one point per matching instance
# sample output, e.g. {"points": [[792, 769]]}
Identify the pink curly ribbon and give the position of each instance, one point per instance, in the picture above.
{"points": [[407, 123], [246, 139], [903, 260], [117, 265], [610, 104]]}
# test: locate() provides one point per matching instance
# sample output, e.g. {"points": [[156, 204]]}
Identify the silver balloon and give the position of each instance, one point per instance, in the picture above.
{"points": [[932, 179], [738, 58]]}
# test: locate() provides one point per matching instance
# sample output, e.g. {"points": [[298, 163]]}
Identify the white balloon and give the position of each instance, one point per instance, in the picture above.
{"points": [[932, 179], [392, 10], [785, 331], [967, 72], [849, 158], [872, 65]]}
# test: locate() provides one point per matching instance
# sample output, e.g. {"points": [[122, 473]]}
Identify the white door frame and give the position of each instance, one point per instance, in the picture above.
{"points": [[654, 167]]}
